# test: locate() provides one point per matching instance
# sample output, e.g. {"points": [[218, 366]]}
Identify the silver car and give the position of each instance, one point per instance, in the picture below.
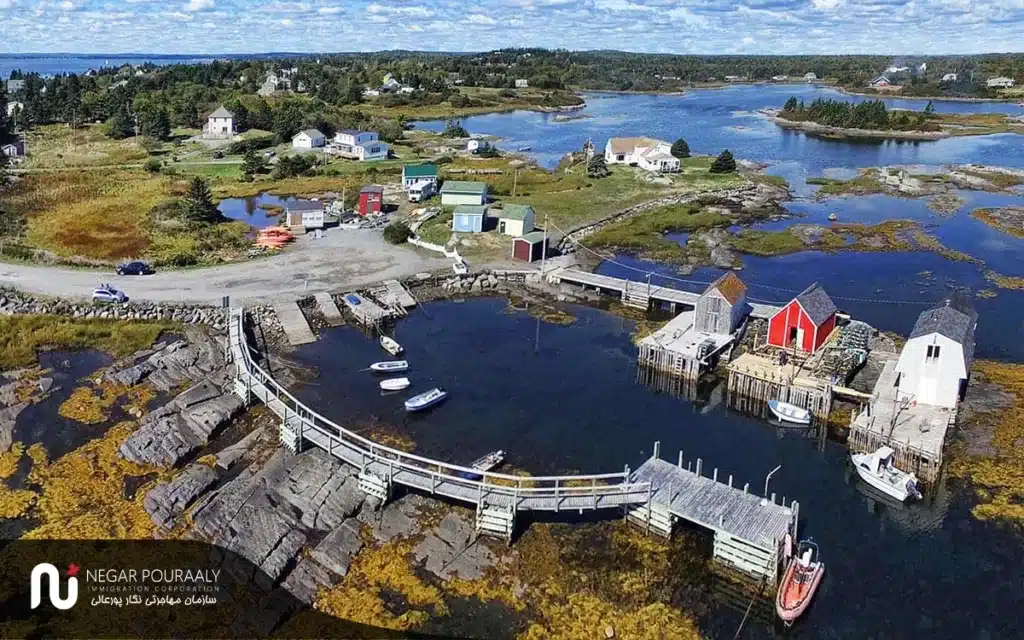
{"points": [[108, 294]]}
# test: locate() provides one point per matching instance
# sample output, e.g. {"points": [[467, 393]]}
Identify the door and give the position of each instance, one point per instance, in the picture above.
{"points": [[501, 227]]}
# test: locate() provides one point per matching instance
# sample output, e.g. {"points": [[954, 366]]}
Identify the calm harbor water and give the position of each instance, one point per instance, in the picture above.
{"points": [[250, 210], [565, 398]]}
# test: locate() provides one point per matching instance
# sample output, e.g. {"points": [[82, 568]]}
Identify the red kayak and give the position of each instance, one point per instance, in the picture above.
{"points": [[803, 575]]}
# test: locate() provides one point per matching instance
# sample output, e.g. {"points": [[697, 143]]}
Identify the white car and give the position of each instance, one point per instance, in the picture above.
{"points": [[107, 293], [460, 268]]}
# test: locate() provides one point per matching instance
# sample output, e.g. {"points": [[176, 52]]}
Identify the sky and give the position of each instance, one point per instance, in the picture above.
{"points": [[657, 26]]}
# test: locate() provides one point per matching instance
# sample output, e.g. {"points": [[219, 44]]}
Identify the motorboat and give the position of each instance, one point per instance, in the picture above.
{"points": [[390, 366], [525, 148], [833, 217], [801, 580], [484, 463], [394, 384], [789, 412], [426, 400], [390, 345], [877, 470]]}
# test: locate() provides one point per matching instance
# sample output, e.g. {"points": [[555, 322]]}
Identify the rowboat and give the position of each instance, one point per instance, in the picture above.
{"points": [[877, 470], [484, 463], [390, 345], [833, 217], [801, 580], [391, 366], [426, 400], [789, 412], [394, 384]]}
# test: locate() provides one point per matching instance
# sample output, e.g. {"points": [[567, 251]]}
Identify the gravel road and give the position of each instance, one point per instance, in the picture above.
{"points": [[341, 260]]}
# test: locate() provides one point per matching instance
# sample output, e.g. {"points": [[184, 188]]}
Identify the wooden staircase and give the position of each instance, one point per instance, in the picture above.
{"points": [[636, 295], [495, 520]]}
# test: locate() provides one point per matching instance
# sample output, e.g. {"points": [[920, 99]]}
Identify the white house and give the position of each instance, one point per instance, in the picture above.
{"points": [[949, 77], [932, 368], [219, 124], [896, 69], [358, 145], [522, 83], [780, 78], [308, 214], [810, 76], [647, 153], [1000, 82], [880, 82], [472, 144], [14, 149], [308, 139]]}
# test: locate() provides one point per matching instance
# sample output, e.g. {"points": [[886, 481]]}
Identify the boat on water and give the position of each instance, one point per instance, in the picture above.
{"points": [[488, 462], [833, 217], [394, 384], [801, 580], [390, 345], [526, 148], [789, 412], [391, 366], [426, 400], [877, 470]]}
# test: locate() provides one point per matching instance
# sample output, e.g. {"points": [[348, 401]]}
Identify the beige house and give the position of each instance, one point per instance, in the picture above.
{"points": [[647, 153], [220, 124], [515, 219]]}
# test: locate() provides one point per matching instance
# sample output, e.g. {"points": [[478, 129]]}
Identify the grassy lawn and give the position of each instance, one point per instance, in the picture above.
{"points": [[866, 183], [58, 146], [767, 243], [21, 337], [490, 99], [976, 123]]}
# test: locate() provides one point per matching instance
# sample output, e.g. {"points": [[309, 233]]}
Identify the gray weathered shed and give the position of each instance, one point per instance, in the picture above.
{"points": [[720, 308]]}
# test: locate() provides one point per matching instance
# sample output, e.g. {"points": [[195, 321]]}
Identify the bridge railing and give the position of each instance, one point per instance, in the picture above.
{"points": [[516, 487]]}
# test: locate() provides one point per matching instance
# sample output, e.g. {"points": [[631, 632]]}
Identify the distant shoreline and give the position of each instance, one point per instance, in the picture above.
{"points": [[840, 133], [933, 98]]}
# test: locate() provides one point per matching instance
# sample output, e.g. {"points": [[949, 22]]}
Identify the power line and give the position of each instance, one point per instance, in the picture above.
{"points": [[705, 283]]}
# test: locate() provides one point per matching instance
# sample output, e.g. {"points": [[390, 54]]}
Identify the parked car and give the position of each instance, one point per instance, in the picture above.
{"points": [[134, 268], [107, 293]]}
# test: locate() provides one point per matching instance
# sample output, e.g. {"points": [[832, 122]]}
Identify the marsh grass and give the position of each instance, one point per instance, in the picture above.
{"points": [[58, 146], [644, 233]]}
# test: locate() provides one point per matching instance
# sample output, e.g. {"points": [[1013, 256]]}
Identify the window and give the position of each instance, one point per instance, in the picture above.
{"points": [[620, 158], [932, 355]]}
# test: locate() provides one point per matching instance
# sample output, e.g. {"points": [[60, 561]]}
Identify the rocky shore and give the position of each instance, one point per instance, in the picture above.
{"points": [[814, 128]]}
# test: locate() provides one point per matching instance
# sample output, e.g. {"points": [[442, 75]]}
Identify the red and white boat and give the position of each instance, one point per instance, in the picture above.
{"points": [[803, 575]]}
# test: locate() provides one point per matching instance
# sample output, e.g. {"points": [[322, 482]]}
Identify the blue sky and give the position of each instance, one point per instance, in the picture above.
{"points": [[667, 26]]}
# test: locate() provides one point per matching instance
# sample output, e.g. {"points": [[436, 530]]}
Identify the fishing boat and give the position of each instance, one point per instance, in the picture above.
{"points": [[789, 412], [526, 148], [390, 345], [426, 400], [394, 384], [801, 580], [833, 217], [877, 470], [391, 366], [484, 463]]}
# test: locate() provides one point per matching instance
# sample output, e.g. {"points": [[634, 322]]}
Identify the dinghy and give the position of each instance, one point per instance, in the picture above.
{"points": [[426, 400], [789, 412], [833, 217], [394, 384], [877, 470], [801, 580], [392, 366], [484, 463], [390, 345]]}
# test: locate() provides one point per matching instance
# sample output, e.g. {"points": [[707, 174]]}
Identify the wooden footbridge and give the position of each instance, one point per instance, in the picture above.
{"points": [[748, 530], [641, 294]]}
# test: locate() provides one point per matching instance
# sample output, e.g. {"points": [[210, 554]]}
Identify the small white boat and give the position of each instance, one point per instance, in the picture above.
{"points": [[484, 463], [394, 384], [460, 268], [392, 366], [789, 412], [877, 470], [833, 217], [390, 345], [426, 400]]}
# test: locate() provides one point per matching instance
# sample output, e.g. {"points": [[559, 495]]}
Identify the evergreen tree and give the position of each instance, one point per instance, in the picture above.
{"points": [[252, 163], [724, 163], [680, 149], [791, 104], [155, 123], [241, 115], [929, 109], [287, 121], [261, 117], [197, 204], [597, 167], [454, 129], [120, 126]]}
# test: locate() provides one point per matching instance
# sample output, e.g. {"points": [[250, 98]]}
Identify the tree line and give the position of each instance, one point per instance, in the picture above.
{"points": [[869, 114]]}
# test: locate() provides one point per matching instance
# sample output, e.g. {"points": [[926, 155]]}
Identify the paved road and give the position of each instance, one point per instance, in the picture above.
{"points": [[339, 261]]}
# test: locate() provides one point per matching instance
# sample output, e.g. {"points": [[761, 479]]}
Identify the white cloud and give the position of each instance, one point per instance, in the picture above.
{"points": [[405, 11], [198, 5], [287, 22], [327, 11], [826, 5], [8, 4], [67, 5], [479, 18]]}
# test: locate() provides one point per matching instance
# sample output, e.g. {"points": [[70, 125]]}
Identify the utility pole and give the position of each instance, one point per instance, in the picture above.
{"points": [[544, 245]]}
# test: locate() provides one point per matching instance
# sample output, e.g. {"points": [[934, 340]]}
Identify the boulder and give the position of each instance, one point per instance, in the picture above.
{"points": [[8, 417], [168, 500], [166, 436], [336, 551], [319, 487], [450, 551]]}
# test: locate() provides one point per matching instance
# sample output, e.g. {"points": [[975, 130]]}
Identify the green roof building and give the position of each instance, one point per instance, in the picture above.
{"points": [[516, 219], [418, 174], [456, 192]]}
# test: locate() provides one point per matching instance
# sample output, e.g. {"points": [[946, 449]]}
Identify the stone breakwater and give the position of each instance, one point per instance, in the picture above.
{"points": [[18, 303], [478, 282], [749, 196]]}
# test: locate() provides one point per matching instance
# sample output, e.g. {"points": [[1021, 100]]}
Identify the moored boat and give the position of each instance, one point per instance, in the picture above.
{"points": [[833, 217], [801, 580], [426, 400], [392, 366], [484, 463], [789, 412], [390, 345], [394, 384], [877, 470]]}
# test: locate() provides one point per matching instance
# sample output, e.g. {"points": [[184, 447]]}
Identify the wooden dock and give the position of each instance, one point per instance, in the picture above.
{"points": [[761, 379], [365, 310], [332, 315], [641, 295], [680, 349], [747, 529], [294, 323]]}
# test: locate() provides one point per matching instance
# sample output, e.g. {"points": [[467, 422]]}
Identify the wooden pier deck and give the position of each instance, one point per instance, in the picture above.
{"points": [[640, 294], [747, 532], [332, 315], [365, 310], [294, 323]]}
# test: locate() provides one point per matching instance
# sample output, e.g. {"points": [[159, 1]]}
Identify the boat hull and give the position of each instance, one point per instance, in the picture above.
{"points": [[418, 403], [793, 599], [389, 367], [394, 384], [899, 492], [789, 413]]}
